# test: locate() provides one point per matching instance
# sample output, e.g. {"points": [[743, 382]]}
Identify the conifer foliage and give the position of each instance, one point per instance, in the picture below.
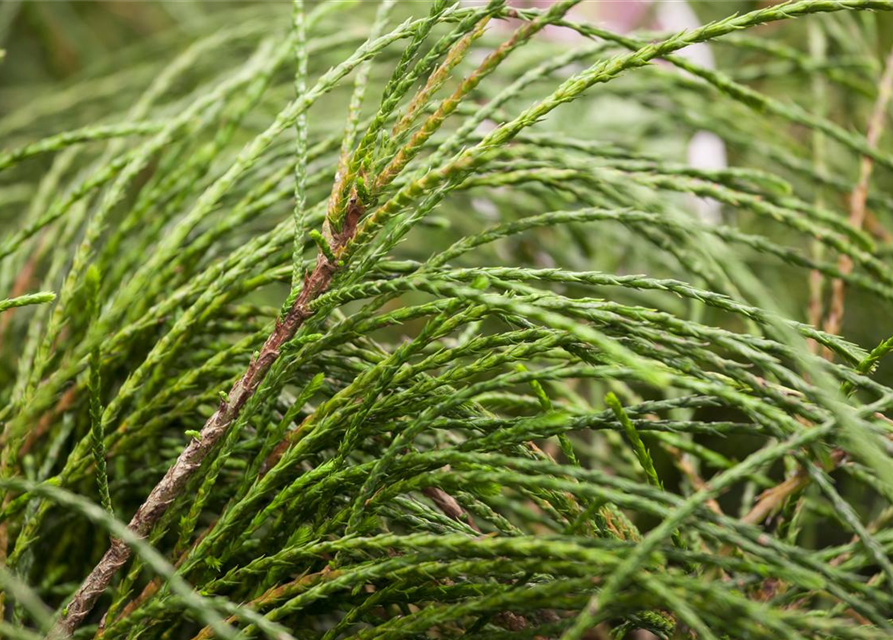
{"points": [[386, 320]]}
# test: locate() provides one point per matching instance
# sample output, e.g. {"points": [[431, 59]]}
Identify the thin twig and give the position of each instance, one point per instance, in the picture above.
{"points": [[859, 196]]}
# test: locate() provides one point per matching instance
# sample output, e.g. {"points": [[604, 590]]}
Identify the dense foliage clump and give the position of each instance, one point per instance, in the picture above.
{"points": [[435, 319]]}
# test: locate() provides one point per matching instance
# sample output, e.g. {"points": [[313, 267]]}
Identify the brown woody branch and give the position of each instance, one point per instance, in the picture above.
{"points": [[449, 506], [174, 481]]}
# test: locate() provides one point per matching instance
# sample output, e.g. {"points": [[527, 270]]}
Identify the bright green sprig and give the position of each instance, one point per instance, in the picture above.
{"points": [[323, 245], [641, 451], [300, 40], [44, 297], [94, 387]]}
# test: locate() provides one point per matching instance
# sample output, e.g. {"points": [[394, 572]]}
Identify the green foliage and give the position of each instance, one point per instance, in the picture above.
{"points": [[403, 320]]}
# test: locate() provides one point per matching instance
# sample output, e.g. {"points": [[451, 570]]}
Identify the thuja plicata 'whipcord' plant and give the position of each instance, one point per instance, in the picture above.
{"points": [[398, 320]]}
